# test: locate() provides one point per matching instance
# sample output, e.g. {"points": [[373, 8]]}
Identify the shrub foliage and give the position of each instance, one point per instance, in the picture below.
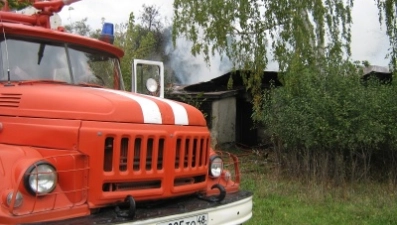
{"points": [[330, 124]]}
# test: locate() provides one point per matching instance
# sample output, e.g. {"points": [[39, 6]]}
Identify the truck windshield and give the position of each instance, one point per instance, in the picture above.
{"points": [[44, 60]]}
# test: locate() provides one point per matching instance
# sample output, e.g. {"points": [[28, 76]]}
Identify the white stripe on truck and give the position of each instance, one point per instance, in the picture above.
{"points": [[151, 111], [180, 113]]}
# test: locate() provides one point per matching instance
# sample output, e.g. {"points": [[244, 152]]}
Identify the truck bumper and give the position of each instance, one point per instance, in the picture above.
{"points": [[236, 208]]}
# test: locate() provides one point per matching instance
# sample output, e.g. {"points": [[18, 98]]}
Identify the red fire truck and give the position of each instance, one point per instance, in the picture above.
{"points": [[75, 147]]}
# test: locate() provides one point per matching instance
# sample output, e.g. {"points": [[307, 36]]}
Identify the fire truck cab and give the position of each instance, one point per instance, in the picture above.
{"points": [[75, 147]]}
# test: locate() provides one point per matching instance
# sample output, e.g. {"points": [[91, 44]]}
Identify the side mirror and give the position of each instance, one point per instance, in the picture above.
{"points": [[148, 77]]}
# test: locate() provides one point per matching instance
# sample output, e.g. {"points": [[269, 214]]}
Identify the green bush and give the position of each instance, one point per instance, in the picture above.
{"points": [[332, 122]]}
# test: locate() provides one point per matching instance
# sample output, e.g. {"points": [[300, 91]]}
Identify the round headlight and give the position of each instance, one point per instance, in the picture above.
{"points": [[216, 166], [151, 85], [18, 199], [40, 178]]}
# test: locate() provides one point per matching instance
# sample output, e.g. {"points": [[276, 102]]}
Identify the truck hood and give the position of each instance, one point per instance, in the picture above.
{"points": [[94, 104]]}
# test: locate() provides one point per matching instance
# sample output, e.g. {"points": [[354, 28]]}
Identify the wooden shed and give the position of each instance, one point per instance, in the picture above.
{"points": [[226, 105]]}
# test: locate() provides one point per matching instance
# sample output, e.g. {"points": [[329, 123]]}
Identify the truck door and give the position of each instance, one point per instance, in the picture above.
{"points": [[148, 77]]}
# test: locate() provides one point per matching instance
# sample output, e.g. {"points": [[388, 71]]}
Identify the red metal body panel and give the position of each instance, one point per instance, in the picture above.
{"points": [[68, 197], [85, 103]]}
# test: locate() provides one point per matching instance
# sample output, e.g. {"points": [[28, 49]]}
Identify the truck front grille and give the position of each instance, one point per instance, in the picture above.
{"points": [[144, 161], [145, 154], [123, 186], [191, 152], [189, 180]]}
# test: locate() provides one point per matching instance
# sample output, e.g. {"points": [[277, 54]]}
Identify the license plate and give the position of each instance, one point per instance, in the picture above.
{"points": [[201, 219]]}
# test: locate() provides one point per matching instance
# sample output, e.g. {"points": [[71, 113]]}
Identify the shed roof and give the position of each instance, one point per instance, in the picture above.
{"points": [[218, 87]]}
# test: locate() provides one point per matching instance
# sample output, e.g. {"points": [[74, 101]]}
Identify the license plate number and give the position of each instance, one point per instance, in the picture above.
{"points": [[201, 219]]}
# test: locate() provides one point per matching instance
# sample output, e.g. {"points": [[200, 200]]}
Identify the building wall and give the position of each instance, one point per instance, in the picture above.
{"points": [[223, 129]]}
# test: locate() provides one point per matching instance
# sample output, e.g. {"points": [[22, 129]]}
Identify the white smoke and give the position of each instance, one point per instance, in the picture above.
{"points": [[191, 69]]}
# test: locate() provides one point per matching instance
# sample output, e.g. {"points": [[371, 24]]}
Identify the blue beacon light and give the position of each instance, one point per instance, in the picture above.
{"points": [[107, 34]]}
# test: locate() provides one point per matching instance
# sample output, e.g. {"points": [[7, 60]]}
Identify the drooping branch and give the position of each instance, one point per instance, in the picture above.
{"points": [[388, 15], [251, 31]]}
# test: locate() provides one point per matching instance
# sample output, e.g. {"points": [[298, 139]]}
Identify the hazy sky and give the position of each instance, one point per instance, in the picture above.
{"points": [[369, 41], [115, 11]]}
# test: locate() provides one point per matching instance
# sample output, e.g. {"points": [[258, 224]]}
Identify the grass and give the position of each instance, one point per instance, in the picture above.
{"points": [[290, 201]]}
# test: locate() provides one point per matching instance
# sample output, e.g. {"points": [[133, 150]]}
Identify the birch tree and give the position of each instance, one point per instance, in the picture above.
{"points": [[295, 33]]}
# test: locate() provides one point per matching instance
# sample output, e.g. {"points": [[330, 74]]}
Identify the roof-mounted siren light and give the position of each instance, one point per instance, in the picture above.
{"points": [[107, 34]]}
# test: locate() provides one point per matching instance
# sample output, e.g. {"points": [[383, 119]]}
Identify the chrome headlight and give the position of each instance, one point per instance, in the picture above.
{"points": [[151, 85], [40, 178], [18, 199], [216, 166]]}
